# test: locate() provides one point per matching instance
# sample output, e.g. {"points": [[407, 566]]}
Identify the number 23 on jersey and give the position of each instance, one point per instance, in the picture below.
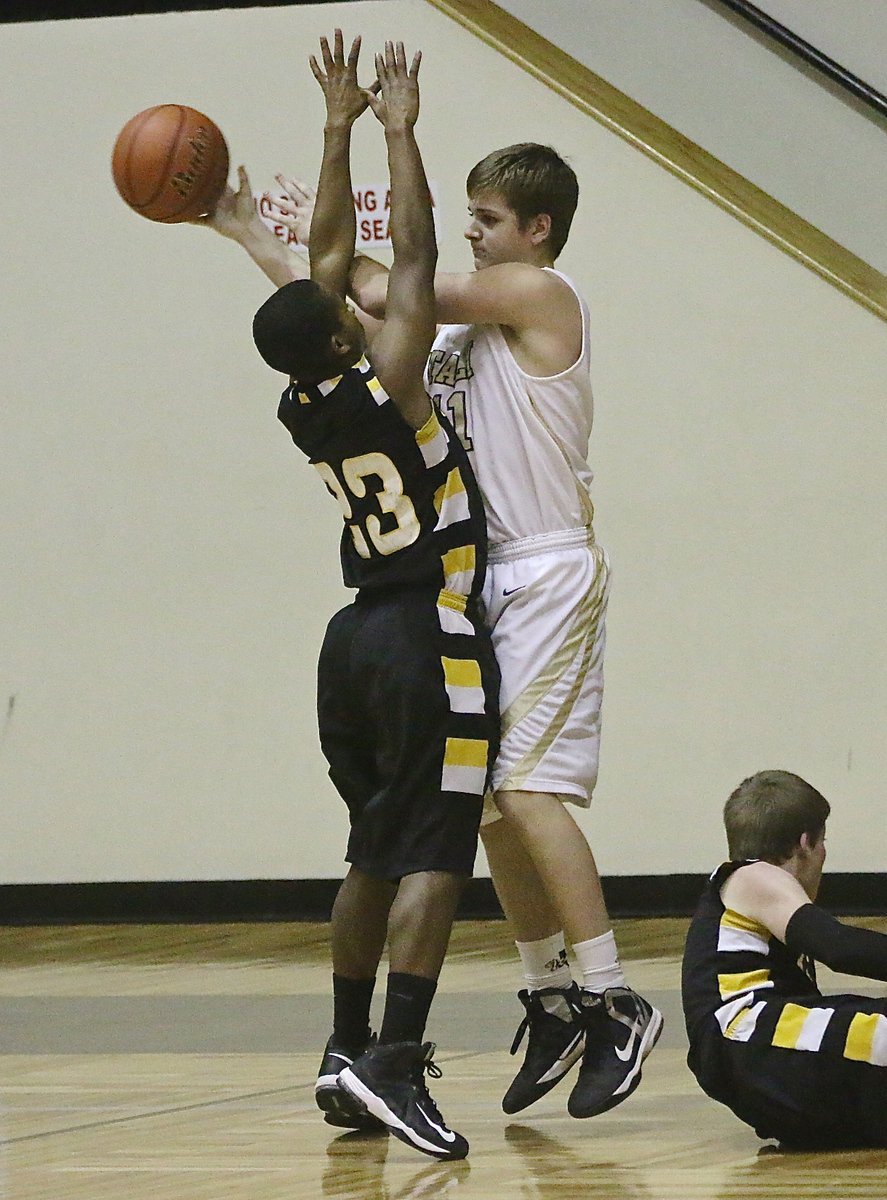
{"points": [[390, 498]]}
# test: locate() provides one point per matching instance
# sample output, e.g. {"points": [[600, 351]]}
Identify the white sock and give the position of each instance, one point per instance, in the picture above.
{"points": [[545, 963], [598, 960]]}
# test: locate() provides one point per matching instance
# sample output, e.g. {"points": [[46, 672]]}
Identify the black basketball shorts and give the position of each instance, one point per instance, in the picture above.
{"points": [[408, 712], [810, 1071]]}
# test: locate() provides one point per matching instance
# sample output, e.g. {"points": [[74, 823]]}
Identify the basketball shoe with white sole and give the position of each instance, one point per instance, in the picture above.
{"points": [[390, 1082], [621, 1028], [555, 1042], [338, 1107]]}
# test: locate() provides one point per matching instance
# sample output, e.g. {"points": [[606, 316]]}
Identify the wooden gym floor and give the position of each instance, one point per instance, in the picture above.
{"points": [[179, 1061]]}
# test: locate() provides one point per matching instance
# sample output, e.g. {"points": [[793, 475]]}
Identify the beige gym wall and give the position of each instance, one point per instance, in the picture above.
{"points": [[169, 561]]}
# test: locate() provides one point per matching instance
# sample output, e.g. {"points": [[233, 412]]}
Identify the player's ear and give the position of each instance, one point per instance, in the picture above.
{"points": [[540, 228], [340, 344]]}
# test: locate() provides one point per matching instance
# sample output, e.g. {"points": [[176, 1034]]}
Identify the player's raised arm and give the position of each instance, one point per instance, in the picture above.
{"points": [[236, 217], [333, 225], [400, 348]]}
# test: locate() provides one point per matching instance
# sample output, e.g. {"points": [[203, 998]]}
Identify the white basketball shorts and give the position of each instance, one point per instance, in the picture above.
{"points": [[546, 601]]}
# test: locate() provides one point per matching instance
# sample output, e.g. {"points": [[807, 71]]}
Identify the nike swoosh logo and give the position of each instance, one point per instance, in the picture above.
{"points": [[564, 1061], [625, 1054], [446, 1134], [511, 591]]}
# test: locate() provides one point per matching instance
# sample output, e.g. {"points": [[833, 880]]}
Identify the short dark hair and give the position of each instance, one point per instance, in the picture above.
{"points": [[767, 814], [532, 179], [294, 327]]}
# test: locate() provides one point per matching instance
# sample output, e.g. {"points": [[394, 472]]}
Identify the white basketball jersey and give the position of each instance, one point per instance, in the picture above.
{"points": [[526, 437]]}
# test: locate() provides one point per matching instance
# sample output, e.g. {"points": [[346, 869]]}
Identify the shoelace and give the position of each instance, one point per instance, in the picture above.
{"points": [[430, 1068], [532, 1004]]}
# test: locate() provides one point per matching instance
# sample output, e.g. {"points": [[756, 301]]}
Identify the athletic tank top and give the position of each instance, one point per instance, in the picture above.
{"points": [[412, 511], [731, 962], [526, 437]]}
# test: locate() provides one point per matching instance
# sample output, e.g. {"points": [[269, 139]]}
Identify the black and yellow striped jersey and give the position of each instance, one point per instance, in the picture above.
{"points": [[727, 957], [412, 510]]}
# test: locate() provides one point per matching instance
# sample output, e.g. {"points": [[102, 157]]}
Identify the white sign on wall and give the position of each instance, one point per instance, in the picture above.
{"points": [[372, 204]]}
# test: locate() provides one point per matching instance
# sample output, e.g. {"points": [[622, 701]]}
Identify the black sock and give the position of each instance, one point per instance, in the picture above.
{"points": [[351, 1011], [407, 1002]]}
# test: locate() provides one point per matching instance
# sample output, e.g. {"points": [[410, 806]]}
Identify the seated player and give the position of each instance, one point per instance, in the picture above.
{"points": [[806, 1069], [407, 680]]}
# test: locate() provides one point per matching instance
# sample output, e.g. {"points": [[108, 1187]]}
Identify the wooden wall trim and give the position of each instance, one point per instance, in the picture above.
{"points": [[671, 150]]}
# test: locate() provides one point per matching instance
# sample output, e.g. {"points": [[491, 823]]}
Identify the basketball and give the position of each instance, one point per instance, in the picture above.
{"points": [[170, 163]]}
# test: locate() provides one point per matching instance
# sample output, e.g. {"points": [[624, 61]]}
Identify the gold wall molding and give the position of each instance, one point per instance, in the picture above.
{"points": [[676, 153]]}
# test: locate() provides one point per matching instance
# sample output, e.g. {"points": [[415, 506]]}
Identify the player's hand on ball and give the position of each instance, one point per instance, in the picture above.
{"points": [[235, 211], [296, 205]]}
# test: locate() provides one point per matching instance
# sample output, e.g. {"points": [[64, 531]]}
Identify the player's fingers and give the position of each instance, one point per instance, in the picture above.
{"points": [[400, 58], [326, 55], [338, 48], [354, 53], [316, 71], [414, 68], [243, 178], [300, 193]]}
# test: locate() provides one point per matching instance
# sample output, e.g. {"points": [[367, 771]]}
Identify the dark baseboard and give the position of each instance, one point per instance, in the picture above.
{"points": [[210, 901]]}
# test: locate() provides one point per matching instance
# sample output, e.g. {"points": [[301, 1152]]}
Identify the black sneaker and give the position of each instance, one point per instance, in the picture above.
{"points": [[338, 1107], [621, 1029], [390, 1082], [554, 1044]]}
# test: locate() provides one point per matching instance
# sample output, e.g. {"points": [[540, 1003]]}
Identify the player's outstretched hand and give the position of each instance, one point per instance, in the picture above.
{"points": [[234, 212], [345, 101], [296, 205], [397, 104]]}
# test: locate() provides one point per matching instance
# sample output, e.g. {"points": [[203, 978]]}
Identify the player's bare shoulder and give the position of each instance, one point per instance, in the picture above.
{"points": [[751, 881]]}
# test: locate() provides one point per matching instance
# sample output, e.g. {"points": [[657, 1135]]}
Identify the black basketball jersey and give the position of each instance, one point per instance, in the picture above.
{"points": [[412, 510], [728, 957]]}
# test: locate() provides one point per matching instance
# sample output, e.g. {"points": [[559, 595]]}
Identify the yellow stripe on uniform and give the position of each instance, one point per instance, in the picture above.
{"points": [[329, 385], [867, 1039], [466, 752], [465, 766], [376, 390], [737, 1020], [462, 679], [458, 568], [451, 614], [736, 920], [432, 441], [800, 1028], [461, 672], [737, 932], [451, 501], [744, 981], [789, 1026]]}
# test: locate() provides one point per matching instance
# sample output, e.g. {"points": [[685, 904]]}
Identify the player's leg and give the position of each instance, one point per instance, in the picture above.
{"points": [[360, 911], [554, 1039], [547, 605], [358, 929], [809, 1071], [621, 1027], [438, 739]]}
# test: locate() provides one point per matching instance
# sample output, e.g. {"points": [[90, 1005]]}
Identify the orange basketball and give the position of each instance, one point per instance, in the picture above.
{"points": [[170, 163]]}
